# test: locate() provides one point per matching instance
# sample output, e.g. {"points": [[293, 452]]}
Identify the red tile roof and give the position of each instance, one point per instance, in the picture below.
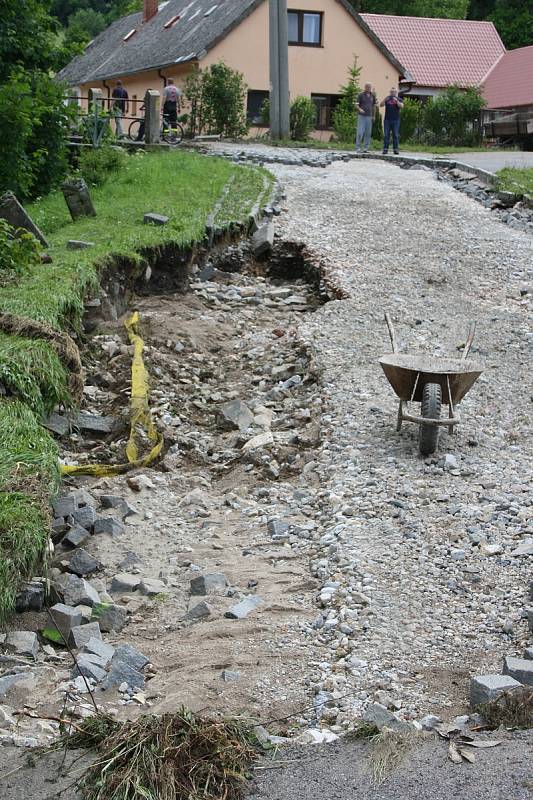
{"points": [[440, 52], [510, 81]]}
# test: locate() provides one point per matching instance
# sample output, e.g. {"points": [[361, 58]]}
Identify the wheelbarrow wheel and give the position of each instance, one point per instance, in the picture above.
{"points": [[431, 408]]}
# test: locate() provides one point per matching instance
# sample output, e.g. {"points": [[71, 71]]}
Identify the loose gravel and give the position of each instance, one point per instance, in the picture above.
{"points": [[420, 587]]}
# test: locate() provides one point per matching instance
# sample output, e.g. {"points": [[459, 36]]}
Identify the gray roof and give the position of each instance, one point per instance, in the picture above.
{"points": [[202, 24]]}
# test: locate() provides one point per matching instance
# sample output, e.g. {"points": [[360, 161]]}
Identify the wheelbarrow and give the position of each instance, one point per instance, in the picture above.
{"points": [[432, 381]]}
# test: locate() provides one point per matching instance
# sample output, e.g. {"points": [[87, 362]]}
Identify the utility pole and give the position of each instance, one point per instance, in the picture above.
{"points": [[279, 69]]}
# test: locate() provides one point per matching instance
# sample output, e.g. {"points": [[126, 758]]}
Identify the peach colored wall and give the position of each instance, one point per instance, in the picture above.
{"points": [[312, 70], [138, 84]]}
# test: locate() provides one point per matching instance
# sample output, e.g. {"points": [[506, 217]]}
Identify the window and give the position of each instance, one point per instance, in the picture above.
{"points": [[325, 106], [254, 106], [305, 28]]}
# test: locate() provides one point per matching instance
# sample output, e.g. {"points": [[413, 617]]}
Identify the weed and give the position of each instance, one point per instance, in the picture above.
{"points": [[389, 748], [178, 756], [512, 710], [518, 181], [364, 730]]}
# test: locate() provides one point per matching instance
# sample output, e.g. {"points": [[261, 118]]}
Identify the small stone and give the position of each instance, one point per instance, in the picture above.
{"points": [[277, 527], [236, 414], [90, 666], [85, 517], [65, 506], [521, 669], [22, 643], [6, 720], [30, 597], [524, 549], [65, 618], [112, 618], [77, 244], [378, 715], [80, 635], [450, 462], [484, 688], [528, 653], [125, 582], [111, 501], [229, 676], [25, 680], [79, 592], [99, 648], [121, 672], [108, 525], [140, 482], [261, 440], [155, 219], [263, 239], [83, 563], [152, 587], [200, 611], [430, 722], [76, 536], [213, 583], [131, 656], [245, 607]]}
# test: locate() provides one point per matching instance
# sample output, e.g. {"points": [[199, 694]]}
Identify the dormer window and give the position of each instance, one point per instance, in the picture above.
{"points": [[305, 28]]}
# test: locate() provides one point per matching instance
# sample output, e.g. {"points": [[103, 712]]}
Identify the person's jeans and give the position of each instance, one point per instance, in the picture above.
{"points": [[364, 132], [118, 125], [391, 126]]}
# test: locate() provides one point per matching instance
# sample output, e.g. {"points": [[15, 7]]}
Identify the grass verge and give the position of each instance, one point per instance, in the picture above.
{"points": [[518, 181], [375, 145], [33, 379]]}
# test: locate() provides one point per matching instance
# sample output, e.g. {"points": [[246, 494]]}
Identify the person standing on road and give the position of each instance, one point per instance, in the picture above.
{"points": [[171, 103], [120, 106], [393, 105], [366, 105]]}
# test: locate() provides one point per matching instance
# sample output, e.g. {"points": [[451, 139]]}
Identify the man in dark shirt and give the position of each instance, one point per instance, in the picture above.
{"points": [[366, 103], [393, 105], [120, 106]]}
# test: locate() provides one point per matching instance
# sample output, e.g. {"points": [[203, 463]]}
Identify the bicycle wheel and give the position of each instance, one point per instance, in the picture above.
{"points": [[172, 134], [133, 130]]}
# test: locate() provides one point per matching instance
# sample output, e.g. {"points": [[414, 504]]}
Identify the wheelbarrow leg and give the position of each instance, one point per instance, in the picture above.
{"points": [[451, 411], [400, 417]]}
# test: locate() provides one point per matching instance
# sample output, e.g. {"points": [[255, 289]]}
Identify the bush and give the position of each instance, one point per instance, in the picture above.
{"points": [[345, 114], [302, 118], [34, 127], [453, 118], [19, 250], [97, 165], [218, 101], [377, 127], [410, 119]]}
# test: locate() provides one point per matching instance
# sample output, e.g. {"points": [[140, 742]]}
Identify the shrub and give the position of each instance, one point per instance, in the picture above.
{"points": [[345, 114], [302, 118], [453, 118], [19, 250], [34, 127], [410, 119], [377, 127], [97, 165], [218, 101]]}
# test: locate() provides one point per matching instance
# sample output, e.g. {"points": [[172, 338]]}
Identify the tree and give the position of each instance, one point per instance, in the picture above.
{"points": [[481, 9], [83, 26], [27, 37], [514, 21], [453, 117], [452, 9], [217, 97], [345, 113]]}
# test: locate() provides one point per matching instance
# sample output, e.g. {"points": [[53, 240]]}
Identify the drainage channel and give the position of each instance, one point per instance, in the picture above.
{"points": [[199, 563]]}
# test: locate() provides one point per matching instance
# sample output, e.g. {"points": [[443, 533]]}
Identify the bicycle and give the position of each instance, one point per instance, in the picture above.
{"points": [[171, 134]]}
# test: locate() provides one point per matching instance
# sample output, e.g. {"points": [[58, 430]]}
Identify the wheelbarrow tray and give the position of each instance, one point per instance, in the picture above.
{"points": [[402, 370]]}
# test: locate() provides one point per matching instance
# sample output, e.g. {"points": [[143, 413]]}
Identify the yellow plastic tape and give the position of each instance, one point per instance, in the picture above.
{"points": [[140, 416]]}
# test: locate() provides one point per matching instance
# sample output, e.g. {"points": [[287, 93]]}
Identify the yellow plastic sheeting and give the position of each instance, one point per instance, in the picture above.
{"points": [[141, 419]]}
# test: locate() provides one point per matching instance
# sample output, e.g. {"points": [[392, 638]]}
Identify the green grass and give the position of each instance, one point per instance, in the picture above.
{"points": [[519, 181], [182, 186]]}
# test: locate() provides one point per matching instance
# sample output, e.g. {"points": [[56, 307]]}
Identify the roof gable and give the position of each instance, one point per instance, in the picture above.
{"points": [[198, 27], [510, 81], [440, 52]]}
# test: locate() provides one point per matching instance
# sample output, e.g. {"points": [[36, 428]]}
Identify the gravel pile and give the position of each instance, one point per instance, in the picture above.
{"points": [[423, 563]]}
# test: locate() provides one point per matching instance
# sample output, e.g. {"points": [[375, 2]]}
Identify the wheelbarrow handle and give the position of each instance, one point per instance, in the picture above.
{"points": [[469, 340], [392, 335]]}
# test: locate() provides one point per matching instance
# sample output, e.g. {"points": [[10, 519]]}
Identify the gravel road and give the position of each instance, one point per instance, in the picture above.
{"points": [[421, 587]]}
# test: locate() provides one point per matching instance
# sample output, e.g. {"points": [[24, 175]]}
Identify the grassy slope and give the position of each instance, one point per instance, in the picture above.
{"points": [[519, 181], [184, 187]]}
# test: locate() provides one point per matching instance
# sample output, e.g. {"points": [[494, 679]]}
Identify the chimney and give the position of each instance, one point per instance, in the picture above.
{"points": [[150, 9]]}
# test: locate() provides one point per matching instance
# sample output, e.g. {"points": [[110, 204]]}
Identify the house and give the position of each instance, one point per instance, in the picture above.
{"points": [[508, 92], [439, 53], [147, 48]]}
